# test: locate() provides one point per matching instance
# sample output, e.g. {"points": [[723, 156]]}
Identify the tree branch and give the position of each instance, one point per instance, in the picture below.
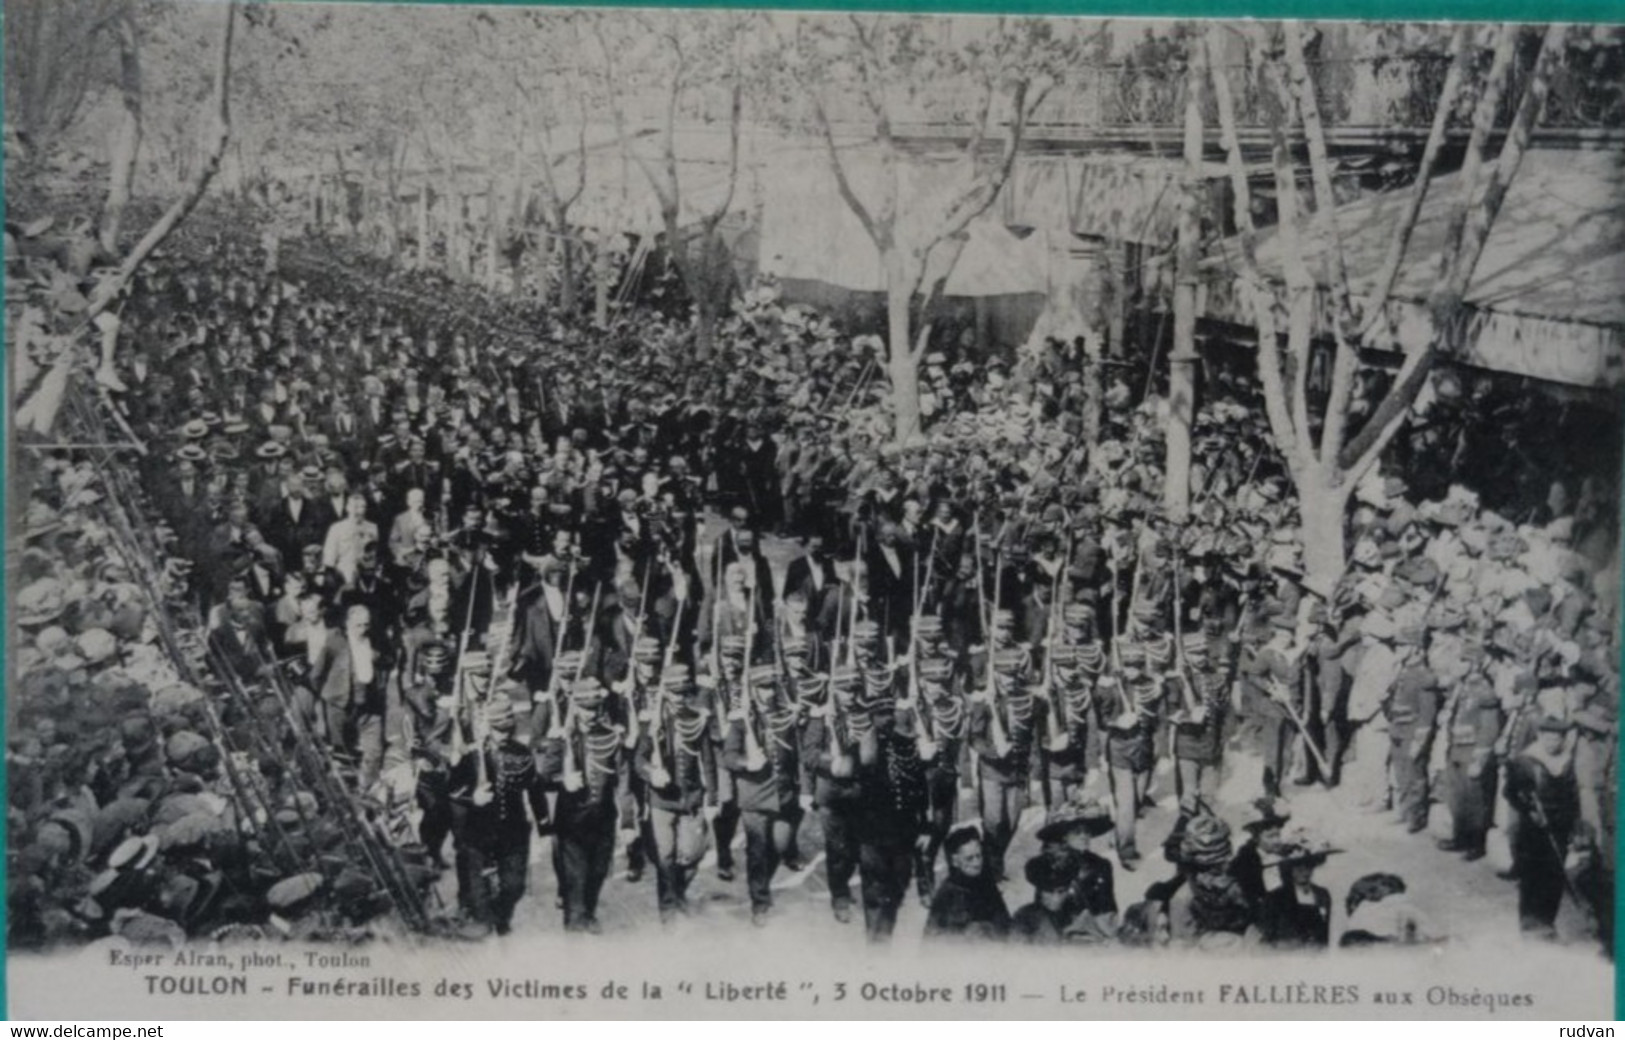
{"points": [[1253, 284], [108, 291], [1472, 167], [1448, 301], [880, 235], [1300, 287], [735, 113], [1506, 166], [1460, 55]]}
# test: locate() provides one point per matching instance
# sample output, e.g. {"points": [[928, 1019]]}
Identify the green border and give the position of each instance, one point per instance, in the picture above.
{"points": [[1608, 11], [1602, 11]]}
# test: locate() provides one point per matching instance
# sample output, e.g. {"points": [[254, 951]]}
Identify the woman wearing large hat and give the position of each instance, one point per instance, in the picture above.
{"points": [[1210, 909], [1091, 897], [1263, 821], [1299, 913]]}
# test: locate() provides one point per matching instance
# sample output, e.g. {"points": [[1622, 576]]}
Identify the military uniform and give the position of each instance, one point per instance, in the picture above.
{"points": [[892, 813], [829, 756], [1267, 721], [1067, 760], [490, 788], [942, 722], [1412, 712], [1003, 729], [1199, 736], [676, 759], [1541, 788], [759, 749], [582, 759], [1475, 722]]}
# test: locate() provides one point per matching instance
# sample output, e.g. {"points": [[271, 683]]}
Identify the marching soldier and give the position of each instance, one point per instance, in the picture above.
{"points": [[581, 757], [1198, 725], [1067, 756], [942, 723], [636, 690], [676, 761], [726, 681], [891, 822], [1004, 721], [829, 754], [1130, 703], [490, 788], [759, 750]]}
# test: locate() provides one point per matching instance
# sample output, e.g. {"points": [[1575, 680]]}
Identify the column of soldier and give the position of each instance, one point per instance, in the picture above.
{"points": [[972, 613]]}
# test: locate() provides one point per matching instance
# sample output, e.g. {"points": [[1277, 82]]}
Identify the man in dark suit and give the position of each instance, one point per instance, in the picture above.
{"points": [[295, 520], [539, 613], [891, 582], [183, 502], [810, 574], [758, 460]]}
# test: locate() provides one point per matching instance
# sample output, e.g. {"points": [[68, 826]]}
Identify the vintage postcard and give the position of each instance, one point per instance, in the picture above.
{"points": [[548, 512]]}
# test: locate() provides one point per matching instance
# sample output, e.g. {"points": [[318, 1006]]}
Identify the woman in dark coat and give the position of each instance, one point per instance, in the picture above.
{"points": [[1298, 915]]}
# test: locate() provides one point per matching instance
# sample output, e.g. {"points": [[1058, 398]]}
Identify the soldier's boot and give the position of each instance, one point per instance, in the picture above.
{"points": [[635, 858]]}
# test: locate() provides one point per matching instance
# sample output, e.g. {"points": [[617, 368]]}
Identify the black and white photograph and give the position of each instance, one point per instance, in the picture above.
{"points": [[809, 514]]}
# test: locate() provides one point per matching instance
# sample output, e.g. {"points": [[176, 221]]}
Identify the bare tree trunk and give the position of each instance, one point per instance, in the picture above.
{"points": [[423, 226], [127, 138], [455, 260], [1114, 254], [493, 218], [600, 307], [901, 367], [706, 319], [568, 288], [1182, 359], [1323, 501], [1094, 387]]}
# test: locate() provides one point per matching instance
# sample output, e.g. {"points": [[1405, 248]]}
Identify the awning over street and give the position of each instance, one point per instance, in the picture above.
{"points": [[1547, 299]]}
